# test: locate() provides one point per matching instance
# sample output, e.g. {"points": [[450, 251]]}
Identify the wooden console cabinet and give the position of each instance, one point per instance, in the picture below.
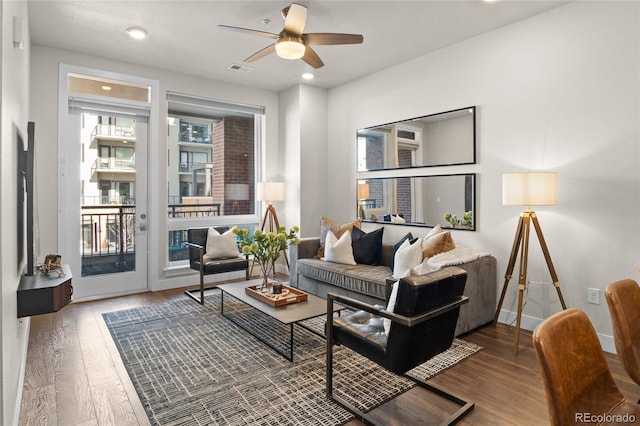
{"points": [[39, 294]]}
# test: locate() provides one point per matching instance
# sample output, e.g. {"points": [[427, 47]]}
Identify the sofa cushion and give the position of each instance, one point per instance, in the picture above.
{"points": [[437, 244], [367, 247], [408, 256], [363, 279], [408, 236], [338, 250]]}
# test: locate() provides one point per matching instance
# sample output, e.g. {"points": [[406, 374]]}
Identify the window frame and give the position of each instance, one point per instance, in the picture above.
{"points": [[245, 220]]}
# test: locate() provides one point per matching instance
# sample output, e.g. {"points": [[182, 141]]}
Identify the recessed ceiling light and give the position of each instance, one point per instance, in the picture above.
{"points": [[105, 87], [137, 33], [307, 76]]}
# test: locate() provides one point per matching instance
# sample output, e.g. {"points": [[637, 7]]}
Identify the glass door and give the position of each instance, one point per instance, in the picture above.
{"points": [[104, 209]]}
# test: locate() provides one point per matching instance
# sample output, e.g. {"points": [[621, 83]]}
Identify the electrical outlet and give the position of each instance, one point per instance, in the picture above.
{"points": [[593, 295]]}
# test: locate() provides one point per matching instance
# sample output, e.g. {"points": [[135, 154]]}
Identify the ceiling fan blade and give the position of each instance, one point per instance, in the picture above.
{"points": [[332, 38], [249, 31], [312, 58], [261, 53], [296, 17]]}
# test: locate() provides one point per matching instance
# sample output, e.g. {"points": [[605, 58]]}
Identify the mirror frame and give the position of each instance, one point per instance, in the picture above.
{"points": [[470, 200], [430, 117]]}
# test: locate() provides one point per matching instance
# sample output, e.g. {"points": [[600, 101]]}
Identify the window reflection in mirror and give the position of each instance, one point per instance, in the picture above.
{"points": [[434, 140], [419, 200]]}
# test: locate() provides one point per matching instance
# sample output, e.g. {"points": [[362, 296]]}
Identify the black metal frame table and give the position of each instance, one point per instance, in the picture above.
{"points": [[287, 314]]}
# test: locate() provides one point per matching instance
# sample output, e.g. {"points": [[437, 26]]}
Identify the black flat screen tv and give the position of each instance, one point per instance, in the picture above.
{"points": [[25, 202]]}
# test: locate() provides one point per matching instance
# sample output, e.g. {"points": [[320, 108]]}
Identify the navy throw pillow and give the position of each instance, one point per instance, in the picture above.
{"points": [[367, 247]]}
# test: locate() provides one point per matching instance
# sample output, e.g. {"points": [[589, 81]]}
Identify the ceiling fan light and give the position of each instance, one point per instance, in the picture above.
{"points": [[290, 47]]}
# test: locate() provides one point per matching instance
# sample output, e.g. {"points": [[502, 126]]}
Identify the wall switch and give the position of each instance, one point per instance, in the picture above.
{"points": [[593, 295]]}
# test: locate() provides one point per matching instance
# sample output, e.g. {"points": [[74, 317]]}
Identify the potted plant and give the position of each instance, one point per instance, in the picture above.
{"points": [[266, 247]]}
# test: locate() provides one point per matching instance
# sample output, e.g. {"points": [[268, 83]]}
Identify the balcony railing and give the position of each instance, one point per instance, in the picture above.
{"points": [[194, 210], [111, 163], [188, 167], [109, 229], [113, 130]]}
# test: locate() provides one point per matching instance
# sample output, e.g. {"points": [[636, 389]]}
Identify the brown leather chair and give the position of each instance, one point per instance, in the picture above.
{"points": [[623, 298], [578, 382]]}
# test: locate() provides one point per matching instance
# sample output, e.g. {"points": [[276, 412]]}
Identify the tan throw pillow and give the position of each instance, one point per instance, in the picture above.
{"points": [[437, 244], [337, 229]]}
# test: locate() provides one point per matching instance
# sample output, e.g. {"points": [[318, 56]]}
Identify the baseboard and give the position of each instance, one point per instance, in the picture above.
{"points": [[530, 323], [23, 368]]}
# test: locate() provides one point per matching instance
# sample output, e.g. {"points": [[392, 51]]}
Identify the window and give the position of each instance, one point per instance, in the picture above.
{"points": [[212, 172]]}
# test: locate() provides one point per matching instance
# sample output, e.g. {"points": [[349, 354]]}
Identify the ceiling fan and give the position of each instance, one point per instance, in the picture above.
{"points": [[292, 43]]}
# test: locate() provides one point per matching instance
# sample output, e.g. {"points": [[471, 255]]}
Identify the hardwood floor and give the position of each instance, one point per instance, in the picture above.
{"points": [[74, 375]]}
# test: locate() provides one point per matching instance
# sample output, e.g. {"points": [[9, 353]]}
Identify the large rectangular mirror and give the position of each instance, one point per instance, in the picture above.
{"points": [[443, 139], [419, 200]]}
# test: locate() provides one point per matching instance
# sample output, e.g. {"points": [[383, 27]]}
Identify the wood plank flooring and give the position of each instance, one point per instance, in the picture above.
{"points": [[74, 375]]}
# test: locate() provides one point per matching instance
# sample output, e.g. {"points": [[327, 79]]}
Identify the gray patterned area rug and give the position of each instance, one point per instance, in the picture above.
{"points": [[191, 366]]}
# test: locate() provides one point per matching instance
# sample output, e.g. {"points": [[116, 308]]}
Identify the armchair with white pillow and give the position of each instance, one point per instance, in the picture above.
{"points": [[213, 251]]}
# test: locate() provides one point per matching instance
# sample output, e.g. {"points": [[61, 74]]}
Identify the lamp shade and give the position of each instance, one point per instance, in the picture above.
{"points": [[363, 191], [271, 191], [529, 189]]}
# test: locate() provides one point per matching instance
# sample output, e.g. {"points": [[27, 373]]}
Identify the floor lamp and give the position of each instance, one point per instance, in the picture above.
{"points": [[527, 189], [269, 192]]}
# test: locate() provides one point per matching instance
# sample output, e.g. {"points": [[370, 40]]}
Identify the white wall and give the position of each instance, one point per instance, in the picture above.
{"points": [[303, 114], [14, 117], [44, 84], [559, 91]]}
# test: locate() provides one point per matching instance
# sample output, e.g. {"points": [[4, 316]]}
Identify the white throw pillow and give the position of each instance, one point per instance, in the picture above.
{"points": [[223, 246], [397, 219], [339, 250], [391, 304], [434, 231], [408, 256]]}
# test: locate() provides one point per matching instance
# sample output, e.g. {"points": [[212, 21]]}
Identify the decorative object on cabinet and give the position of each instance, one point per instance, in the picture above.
{"points": [[419, 200], [527, 189], [40, 294], [447, 138]]}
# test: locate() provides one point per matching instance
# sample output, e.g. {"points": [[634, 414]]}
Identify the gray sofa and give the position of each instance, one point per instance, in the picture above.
{"points": [[372, 284]]}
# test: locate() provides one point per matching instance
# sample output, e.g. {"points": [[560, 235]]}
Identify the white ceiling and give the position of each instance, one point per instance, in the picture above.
{"points": [[183, 34]]}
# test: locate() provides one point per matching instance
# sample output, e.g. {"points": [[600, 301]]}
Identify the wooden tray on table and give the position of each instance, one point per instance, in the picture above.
{"points": [[288, 296]]}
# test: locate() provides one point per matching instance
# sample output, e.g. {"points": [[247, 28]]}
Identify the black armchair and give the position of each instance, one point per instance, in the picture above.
{"points": [[197, 243], [423, 324]]}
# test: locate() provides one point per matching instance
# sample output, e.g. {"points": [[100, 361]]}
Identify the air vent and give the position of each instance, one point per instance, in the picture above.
{"points": [[240, 68]]}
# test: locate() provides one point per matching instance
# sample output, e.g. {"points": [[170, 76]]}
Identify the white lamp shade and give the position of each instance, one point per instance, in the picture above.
{"points": [[363, 191], [237, 191], [529, 189], [271, 191]]}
